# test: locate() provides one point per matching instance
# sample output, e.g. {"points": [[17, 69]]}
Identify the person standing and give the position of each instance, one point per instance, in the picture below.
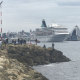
{"points": [[52, 45], [0, 43], [36, 41]]}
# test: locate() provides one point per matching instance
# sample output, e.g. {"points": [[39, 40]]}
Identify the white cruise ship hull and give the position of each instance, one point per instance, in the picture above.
{"points": [[52, 38]]}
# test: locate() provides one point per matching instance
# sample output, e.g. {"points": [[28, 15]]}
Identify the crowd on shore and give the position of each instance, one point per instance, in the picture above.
{"points": [[20, 41]]}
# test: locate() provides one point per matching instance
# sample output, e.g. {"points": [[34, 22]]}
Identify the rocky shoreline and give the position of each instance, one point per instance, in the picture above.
{"points": [[20, 58], [36, 55]]}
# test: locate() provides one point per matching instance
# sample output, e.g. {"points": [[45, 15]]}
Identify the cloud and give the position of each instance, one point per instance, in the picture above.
{"points": [[68, 2], [26, 14]]}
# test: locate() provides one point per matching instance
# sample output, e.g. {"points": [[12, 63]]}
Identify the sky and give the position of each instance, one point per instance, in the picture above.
{"points": [[27, 14]]}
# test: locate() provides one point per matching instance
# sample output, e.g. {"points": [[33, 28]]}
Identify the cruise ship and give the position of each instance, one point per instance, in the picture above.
{"points": [[52, 33]]}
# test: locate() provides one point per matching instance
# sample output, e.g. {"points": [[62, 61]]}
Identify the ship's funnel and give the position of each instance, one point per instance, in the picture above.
{"points": [[43, 24]]}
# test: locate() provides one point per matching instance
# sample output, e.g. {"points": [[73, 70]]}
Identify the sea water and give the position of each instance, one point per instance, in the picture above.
{"points": [[65, 70]]}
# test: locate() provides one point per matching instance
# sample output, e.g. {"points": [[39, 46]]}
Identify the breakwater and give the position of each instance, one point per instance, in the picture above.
{"points": [[22, 57], [36, 55]]}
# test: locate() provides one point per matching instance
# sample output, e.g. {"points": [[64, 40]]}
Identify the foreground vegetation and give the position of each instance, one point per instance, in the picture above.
{"points": [[18, 59], [35, 55], [12, 69]]}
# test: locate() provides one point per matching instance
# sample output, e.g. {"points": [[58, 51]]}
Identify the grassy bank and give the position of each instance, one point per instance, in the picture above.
{"points": [[16, 61], [12, 69]]}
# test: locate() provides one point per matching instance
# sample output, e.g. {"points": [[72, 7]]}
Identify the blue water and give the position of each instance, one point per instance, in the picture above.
{"points": [[65, 70]]}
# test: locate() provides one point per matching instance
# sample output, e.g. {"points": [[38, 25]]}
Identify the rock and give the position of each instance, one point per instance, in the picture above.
{"points": [[36, 55]]}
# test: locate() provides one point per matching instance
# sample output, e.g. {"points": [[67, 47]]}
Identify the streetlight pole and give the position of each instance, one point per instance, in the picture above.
{"points": [[1, 17]]}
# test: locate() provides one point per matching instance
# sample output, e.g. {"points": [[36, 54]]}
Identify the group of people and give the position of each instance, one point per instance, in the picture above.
{"points": [[5, 41], [44, 46], [19, 41], [15, 41]]}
